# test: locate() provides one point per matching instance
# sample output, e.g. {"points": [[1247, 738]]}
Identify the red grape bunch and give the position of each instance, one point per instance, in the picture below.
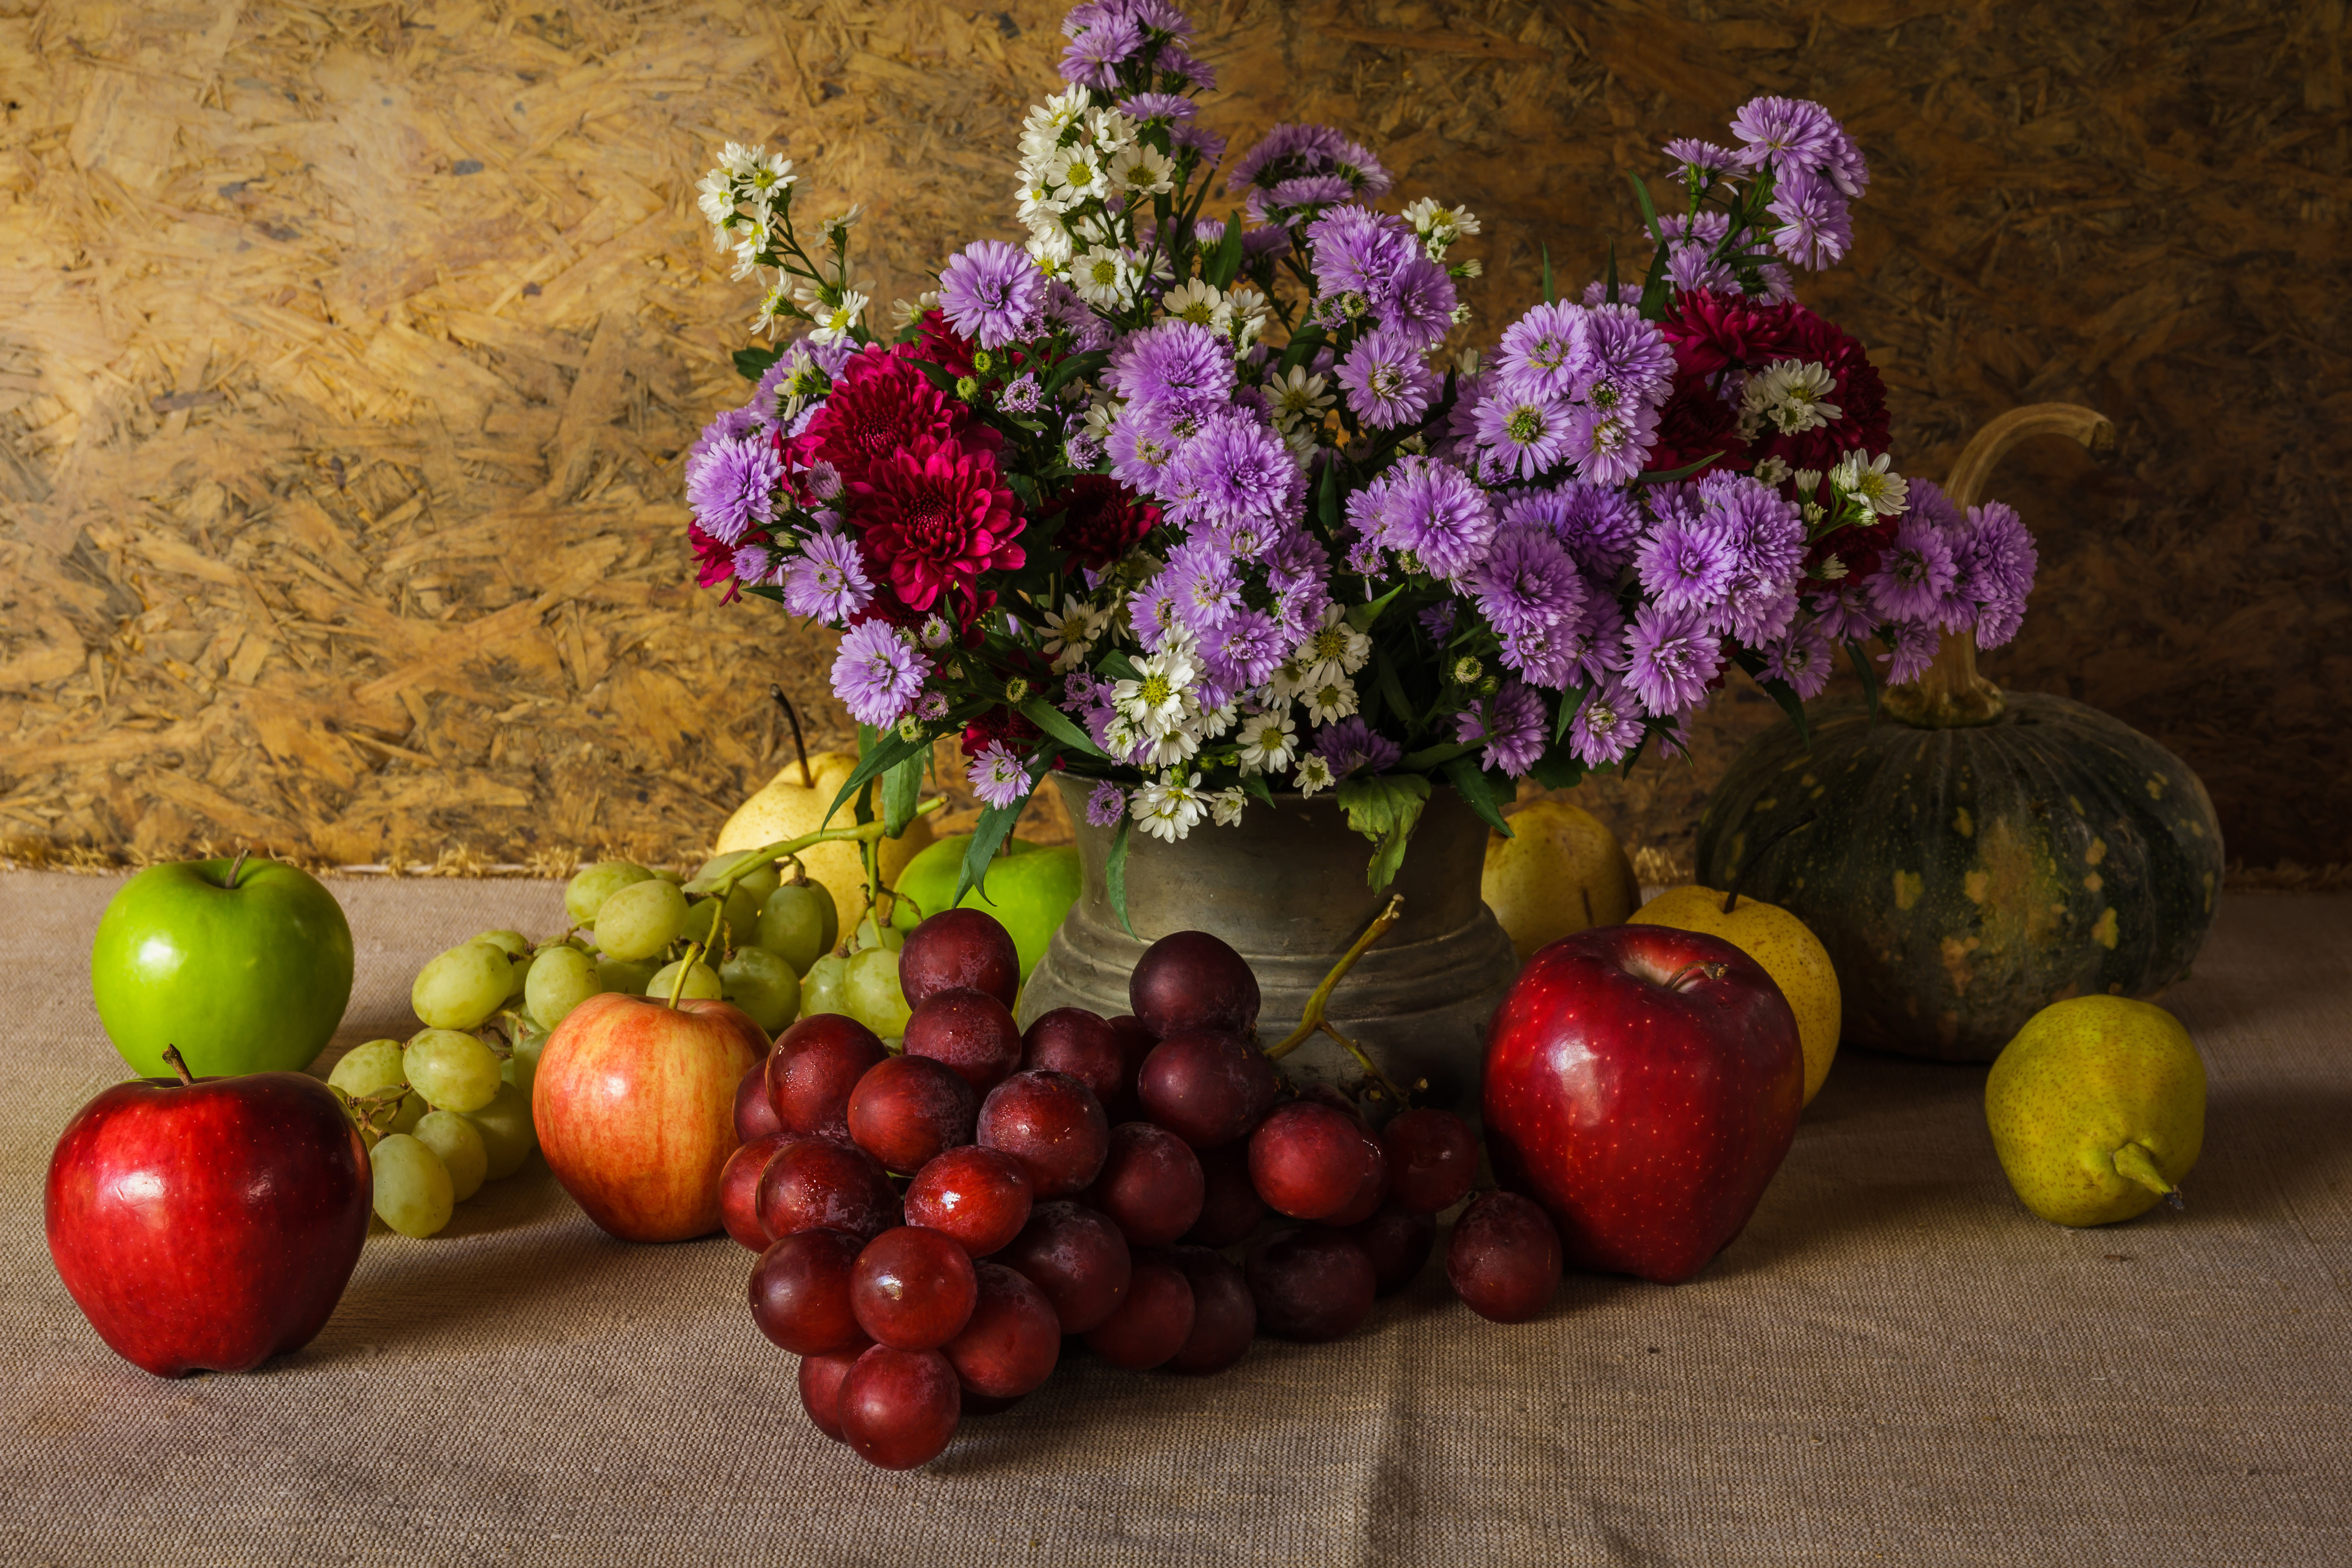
{"points": [[933, 1224]]}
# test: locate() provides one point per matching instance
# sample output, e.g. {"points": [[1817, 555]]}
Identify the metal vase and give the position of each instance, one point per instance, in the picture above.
{"points": [[1286, 886]]}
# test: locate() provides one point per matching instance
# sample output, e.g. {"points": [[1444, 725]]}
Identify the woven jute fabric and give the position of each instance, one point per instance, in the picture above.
{"points": [[1895, 1365]]}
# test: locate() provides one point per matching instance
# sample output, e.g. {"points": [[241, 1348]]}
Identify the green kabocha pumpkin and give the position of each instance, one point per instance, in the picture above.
{"points": [[1969, 856]]}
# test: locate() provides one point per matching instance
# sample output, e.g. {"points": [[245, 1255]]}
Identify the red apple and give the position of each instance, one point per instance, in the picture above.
{"points": [[208, 1225], [1642, 1084], [635, 1104]]}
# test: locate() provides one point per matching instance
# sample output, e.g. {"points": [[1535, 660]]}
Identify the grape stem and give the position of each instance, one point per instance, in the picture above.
{"points": [[1312, 1021], [179, 1063]]}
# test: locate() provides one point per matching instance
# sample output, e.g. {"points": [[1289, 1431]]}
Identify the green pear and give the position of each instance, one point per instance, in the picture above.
{"points": [[2097, 1110]]}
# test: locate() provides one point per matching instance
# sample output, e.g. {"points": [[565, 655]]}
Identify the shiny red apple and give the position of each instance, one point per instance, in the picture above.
{"points": [[1642, 1084], [207, 1224], [635, 1104]]}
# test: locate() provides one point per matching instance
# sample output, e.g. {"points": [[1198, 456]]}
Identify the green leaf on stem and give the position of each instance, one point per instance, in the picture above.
{"points": [[1392, 691], [1300, 349], [902, 790], [1362, 616], [1473, 786], [1571, 701], [1548, 295], [876, 752], [1428, 757], [1779, 691], [1114, 873], [1059, 725], [1384, 810], [1326, 498], [1118, 667], [988, 837], [1649, 209], [752, 363], [1609, 278], [1670, 476], [938, 375], [1221, 267], [1858, 654], [1076, 364], [1255, 784], [1559, 770]]}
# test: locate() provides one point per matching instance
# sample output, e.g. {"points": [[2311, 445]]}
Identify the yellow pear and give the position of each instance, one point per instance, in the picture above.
{"points": [[2098, 1109], [1787, 948], [1560, 873], [787, 808]]}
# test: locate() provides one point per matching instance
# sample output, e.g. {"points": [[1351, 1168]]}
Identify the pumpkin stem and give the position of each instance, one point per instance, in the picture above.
{"points": [[1949, 694], [1739, 879], [2134, 1163]]}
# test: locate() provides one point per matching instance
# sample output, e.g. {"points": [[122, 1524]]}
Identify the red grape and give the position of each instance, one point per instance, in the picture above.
{"points": [[814, 1066], [1504, 1258], [801, 1291], [1085, 1046], [1192, 981], [1373, 1190], [913, 1288], [1433, 1160], [899, 1409], [738, 1189], [1225, 1315], [755, 1113], [1230, 1206], [1150, 1184], [1153, 1323], [1012, 1341], [1397, 1241], [1306, 1159], [813, 1184], [906, 1110], [980, 1196], [821, 1379], [1078, 1258], [958, 948], [969, 1030], [1207, 1088], [1311, 1285], [1052, 1124], [1337, 1099]]}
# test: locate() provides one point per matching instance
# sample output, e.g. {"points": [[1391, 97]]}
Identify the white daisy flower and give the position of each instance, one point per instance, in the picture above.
{"points": [[1076, 174], [1110, 130], [1103, 278], [1051, 250], [1269, 741], [1215, 722], [1057, 114], [1298, 396], [1225, 806], [1329, 701], [1287, 682], [1774, 470], [1333, 649], [1249, 313], [1179, 745], [936, 633], [1439, 226], [1313, 774], [1154, 701], [833, 322], [1869, 482], [1141, 170], [904, 313], [1071, 635], [1168, 808], [1791, 394], [1198, 302]]}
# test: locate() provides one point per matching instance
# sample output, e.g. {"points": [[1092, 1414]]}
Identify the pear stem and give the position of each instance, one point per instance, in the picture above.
{"points": [[1739, 878], [179, 1064], [1311, 1019], [2134, 1163], [800, 747]]}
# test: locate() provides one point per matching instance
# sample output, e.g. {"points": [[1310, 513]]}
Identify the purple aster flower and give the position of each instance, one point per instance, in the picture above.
{"points": [[1596, 647], [752, 560], [1608, 448], [1210, 144], [1999, 560], [996, 776], [1106, 804], [1386, 381], [1434, 512], [828, 579], [732, 486], [1801, 659], [1702, 158], [1845, 616], [1418, 302], [1764, 528], [1598, 292], [1545, 353], [1915, 575], [1785, 134], [1608, 724], [1629, 354], [1170, 108], [1366, 559], [1178, 62], [1139, 456], [1600, 524], [1287, 200], [992, 294], [1756, 610], [729, 425], [1437, 622], [1910, 648], [1234, 468], [1082, 449], [878, 673], [1670, 658], [1356, 250], [1020, 394], [1512, 724], [1286, 144], [1530, 433], [1152, 613], [1525, 580], [1169, 358], [1064, 309], [1096, 51], [1351, 746], [1203, 583], [1685, 562], [1926, 499], [1815, 227], [1243, 651], [1693, 267]]}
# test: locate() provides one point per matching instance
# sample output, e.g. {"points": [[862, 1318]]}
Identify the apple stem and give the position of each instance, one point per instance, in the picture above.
{"points": [[1311, 1019], [1739, 878], [1713, 971], [235, 867], [179, 1063], [800, 747], [2134, 1163]]}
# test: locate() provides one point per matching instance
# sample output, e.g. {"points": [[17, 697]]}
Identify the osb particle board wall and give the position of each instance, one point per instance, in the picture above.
{"points": [[346, 353]]}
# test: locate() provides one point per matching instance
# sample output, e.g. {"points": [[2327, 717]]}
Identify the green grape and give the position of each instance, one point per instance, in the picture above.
{"points": [[413, 1191], [702, 982], [560, 979], [454, 1140], [640, 920], [506, 1129], [366, 1068], [510, 943], [763, 985], [461, 987], [452, 1071], [792, 925], [674, 878], [585, 893], [821, 987], [742, 918], [829, 932], [760, 881], [891, 937], [521, 1066], [411, 1111], [518, 978], [627, 976], [870, 988]]}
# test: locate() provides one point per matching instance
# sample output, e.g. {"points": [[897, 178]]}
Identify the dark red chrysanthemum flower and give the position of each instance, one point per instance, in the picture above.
{"points": [[880, 404], [936, 342], [1100, 519], [932, 517], [714, 562], [1695, 422], [1712, 332]]}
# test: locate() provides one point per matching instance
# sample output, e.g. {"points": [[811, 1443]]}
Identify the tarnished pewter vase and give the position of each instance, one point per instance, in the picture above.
{"points": [[1286, 886]]}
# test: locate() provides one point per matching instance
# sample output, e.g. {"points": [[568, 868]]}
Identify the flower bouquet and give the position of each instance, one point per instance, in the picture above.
{"points": [[1200, 507]]}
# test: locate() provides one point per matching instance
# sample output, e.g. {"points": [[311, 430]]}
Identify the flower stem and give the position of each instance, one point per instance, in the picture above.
{"points": [[1311, 1019]]}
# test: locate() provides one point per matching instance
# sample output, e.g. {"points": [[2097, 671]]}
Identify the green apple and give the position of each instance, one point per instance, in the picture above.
{"points": [[249, 976], [1030, 888]]}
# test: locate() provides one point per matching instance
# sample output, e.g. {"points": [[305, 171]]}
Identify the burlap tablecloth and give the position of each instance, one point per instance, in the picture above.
{"points": [[1895, 1365]]}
